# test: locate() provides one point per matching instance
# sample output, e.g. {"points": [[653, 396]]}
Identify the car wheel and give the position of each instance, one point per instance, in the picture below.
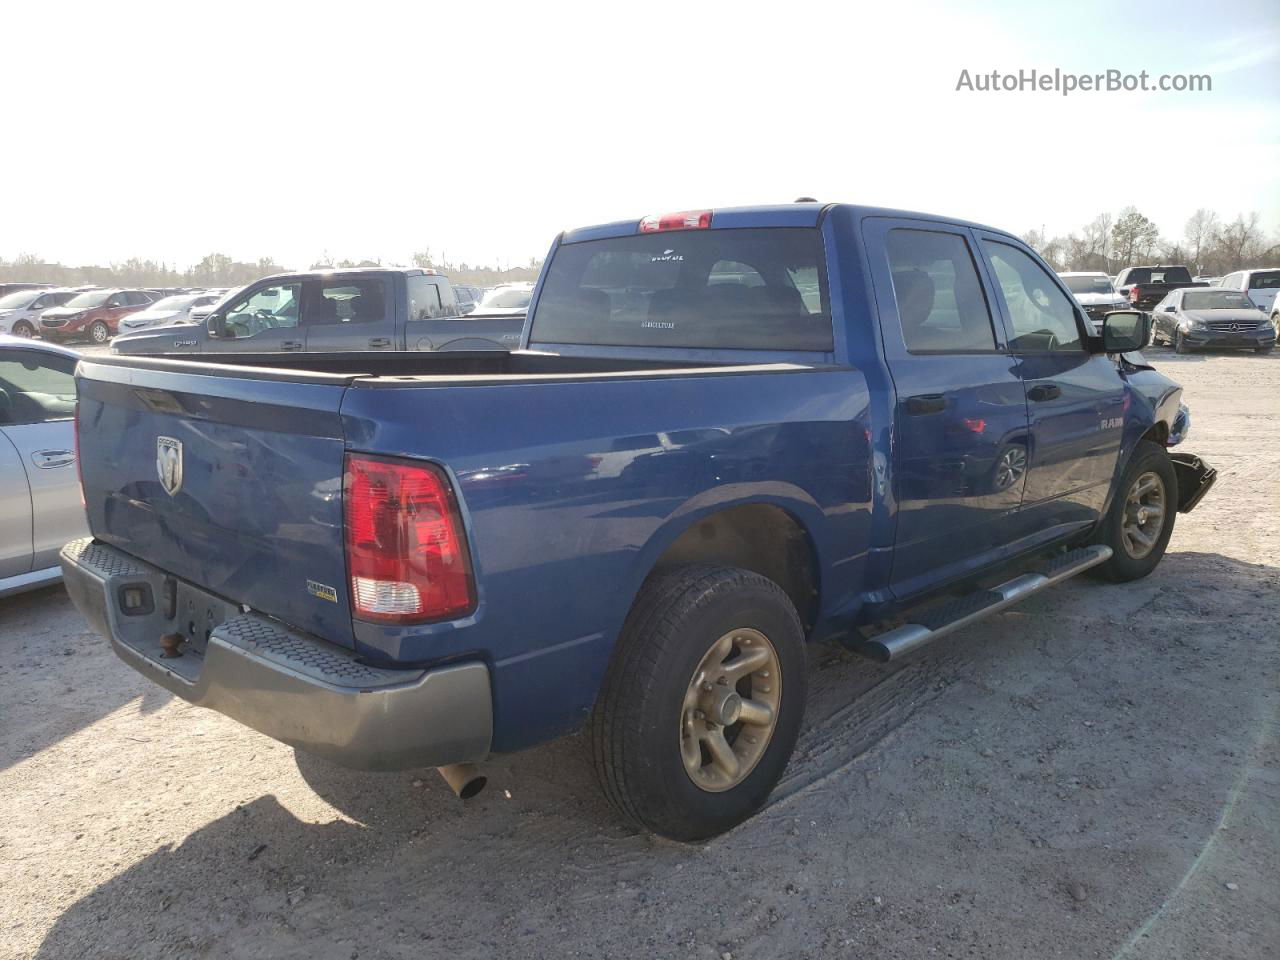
{"points": [[1267, 349], [1139, 524], [23, 329], [99, 332], [702, 702], [1180, 343]]}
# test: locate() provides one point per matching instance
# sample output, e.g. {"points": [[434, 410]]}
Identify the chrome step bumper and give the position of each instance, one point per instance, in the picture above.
{"points": [[293, 687]]}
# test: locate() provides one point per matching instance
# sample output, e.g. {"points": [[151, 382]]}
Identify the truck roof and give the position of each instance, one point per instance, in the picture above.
{"points": [[350, 271], [769, 215]]}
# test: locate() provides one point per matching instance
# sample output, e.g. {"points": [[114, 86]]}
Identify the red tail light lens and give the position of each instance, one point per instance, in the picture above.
{"points": [[688, 220], [406, 553], [1133, 294]]}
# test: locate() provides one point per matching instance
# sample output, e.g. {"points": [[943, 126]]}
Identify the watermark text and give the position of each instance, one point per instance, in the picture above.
{"points": [[1059, 81]]}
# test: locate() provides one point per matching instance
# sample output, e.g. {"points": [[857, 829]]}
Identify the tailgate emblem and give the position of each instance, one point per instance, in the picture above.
{"points": [[169, 464]]}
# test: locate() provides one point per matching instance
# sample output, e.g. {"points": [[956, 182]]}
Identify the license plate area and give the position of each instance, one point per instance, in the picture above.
{"points": [[167, 620]]}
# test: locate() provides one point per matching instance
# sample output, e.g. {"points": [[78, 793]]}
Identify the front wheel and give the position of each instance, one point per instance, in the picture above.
{"points": [[1267, 349], [1180, 343], [99, 332], [702, 702], [23, 329], [1139, 524]]}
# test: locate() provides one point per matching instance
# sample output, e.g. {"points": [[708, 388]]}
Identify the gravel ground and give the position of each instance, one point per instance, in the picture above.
{"points": [[1092, 774]]}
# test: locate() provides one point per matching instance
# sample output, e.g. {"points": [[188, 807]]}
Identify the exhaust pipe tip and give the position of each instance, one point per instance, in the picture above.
{"points": [[464, 779]]}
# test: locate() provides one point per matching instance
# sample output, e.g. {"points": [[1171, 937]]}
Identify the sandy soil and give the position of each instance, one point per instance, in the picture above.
{"points": [[1093, 774]]}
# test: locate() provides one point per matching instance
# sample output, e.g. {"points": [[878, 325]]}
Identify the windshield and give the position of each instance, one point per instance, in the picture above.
{"points": [[1265, 281], [1089, 284], [19, 299], [170, 303], [506, 299], [90, 298], [743, 289], [1216, 300]]}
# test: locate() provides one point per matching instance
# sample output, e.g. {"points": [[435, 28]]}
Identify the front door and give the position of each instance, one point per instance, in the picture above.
{"points": [[263, 321], [1076, 398], [960, 446], [39, 425]]}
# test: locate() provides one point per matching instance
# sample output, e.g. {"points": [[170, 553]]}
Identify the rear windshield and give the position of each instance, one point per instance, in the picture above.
{"points": [[1159, 275], [508, 299], [745, 289], [1089, 284], [1265, 281], [1216, 300]]}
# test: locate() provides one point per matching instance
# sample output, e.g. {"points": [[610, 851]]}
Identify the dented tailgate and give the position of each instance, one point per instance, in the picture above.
{"points": [[226, 478]]}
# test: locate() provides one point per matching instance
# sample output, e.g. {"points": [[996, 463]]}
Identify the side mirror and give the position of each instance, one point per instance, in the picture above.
{"points": [[1125, 330], [217, 325]]}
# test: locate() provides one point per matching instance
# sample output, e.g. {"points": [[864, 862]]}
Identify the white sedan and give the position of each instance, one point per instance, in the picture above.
{"points": [[170, 310], [40, 504], [20, 311]]}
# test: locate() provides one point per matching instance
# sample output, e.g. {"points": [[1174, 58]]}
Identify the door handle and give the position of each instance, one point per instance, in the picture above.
{"points": [[49, 459], [290, 344], [1044, 391], [926, 403], [376, 342]]}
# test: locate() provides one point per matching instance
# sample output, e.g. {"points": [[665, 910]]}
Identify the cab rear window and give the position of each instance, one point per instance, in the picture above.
{"points": [[737, 289]]}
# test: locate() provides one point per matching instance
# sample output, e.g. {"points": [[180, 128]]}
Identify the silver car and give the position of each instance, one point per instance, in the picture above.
{"points": [[40, 503]]}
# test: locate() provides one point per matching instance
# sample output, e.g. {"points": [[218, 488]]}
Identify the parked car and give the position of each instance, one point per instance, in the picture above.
{"points": [[1260, 286], [417, 560], [168, 311], [508, 299], [93, 315], [14, 287], [1095, 292], [40, 506], [333, 311], [20, 311], [1144, 287], [1191, 319]]}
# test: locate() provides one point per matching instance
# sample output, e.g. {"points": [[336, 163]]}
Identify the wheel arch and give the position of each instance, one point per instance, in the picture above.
{"points": [[770, 534]]}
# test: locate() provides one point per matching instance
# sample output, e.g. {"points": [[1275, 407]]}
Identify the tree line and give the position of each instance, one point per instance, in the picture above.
{"points": [[220, 270], [1209, 245]]}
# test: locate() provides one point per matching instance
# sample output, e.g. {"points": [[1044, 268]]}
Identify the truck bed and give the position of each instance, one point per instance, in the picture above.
{"points": [[478, 367]]}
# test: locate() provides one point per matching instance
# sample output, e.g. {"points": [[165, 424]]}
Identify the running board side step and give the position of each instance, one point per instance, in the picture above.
{"points": [[938, 621]]}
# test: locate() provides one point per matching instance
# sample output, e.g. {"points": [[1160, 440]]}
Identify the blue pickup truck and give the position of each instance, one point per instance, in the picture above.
{"points": [[725, 433]]}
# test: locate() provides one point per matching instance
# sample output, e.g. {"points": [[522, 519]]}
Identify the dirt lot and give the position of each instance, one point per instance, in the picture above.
{"points": [[1093, 774]]}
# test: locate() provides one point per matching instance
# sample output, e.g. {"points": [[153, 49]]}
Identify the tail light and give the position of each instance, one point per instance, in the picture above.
{"points": [[406, 553], [688, 220], [1133, 294]]}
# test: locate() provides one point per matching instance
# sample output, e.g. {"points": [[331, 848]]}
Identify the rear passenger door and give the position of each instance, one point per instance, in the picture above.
{"points": [[1075, 397], [350, 313], [960, 444]]}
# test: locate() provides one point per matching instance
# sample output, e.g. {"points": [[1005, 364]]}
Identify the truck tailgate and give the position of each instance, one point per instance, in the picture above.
{"points": [[230, 481]]}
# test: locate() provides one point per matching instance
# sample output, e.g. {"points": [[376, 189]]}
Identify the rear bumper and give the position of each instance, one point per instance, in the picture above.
{"points": [[293, 687]]}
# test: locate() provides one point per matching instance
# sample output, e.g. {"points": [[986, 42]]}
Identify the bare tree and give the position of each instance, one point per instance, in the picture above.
{"points": [[1240, 237], [1200, 232], [1133, 235]]}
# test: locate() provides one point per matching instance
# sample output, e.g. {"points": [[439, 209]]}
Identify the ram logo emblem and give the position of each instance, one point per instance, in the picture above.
{"points": [[169, 464]]}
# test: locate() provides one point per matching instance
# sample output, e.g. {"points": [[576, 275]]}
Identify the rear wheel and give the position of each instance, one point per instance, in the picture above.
{"points": [[1139, 524], [23, 329], [99, 332], [702, 702]]}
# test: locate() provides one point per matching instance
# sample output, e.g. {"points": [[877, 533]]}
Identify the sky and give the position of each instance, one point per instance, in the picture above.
{"points": [[370, 130]]}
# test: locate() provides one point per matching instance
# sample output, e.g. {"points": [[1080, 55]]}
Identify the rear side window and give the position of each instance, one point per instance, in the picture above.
{"points": [[940, 302], [735, 289], [1265, 281], [351, 300], [424, 299]]}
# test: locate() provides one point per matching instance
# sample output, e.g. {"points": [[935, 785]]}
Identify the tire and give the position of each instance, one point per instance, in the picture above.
{"points": [[1267, 349], [1148, 460], [1180, 343], [99, 332], [643, 731], [23, 329]]}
